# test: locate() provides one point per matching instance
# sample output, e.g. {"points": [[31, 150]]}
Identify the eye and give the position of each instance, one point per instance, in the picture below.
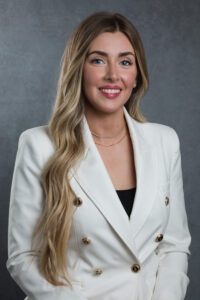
{"points": [[97, 61], [126, 63]]}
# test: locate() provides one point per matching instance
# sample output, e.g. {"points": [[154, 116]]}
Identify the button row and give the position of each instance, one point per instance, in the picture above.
{"points": [[78, 201], [134, 268], [87, 241]]}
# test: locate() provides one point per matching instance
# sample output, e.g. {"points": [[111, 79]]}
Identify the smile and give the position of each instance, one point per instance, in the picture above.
{"points": [[113, 91], [110, 93]]}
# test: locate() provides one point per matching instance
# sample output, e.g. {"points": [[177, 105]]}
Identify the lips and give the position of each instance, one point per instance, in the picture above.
{"points": [[110, 91], [111, 87]]}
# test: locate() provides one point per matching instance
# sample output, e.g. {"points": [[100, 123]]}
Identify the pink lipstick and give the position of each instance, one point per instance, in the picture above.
{"points": [[110, 92]]}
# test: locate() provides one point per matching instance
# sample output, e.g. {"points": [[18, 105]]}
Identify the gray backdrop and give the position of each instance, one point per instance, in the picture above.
{"points": [[33, 35]]}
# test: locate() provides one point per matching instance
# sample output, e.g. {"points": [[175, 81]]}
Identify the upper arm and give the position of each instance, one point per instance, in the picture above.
{"points": [[176, 236], [26, 195]]}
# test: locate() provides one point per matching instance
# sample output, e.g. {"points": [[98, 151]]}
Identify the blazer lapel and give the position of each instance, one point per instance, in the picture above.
{"points": [[146, 173], [91, 174]]}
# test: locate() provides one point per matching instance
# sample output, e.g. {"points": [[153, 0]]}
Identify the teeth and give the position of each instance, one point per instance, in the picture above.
{"points": [[110, 91]]}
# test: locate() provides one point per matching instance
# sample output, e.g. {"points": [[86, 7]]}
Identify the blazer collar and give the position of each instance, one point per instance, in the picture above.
{"points": [[91, 174]]}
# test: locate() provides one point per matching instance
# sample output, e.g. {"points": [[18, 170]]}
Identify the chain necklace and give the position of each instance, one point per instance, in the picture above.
{"points": [[107, 137], [111, 144]]}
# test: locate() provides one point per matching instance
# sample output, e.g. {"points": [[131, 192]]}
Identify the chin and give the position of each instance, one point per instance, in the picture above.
{"points": [[110, 109], [107, 107]]}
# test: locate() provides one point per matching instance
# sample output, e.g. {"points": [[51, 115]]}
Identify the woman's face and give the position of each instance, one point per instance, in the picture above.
{"points": [[109, 72]]}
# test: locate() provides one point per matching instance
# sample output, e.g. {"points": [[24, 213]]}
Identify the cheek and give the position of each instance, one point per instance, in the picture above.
{"points": [[130, 78], [90, 77]]}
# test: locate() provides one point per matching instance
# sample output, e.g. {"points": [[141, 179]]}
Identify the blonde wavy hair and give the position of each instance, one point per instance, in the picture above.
{"points": [[65, 130]]}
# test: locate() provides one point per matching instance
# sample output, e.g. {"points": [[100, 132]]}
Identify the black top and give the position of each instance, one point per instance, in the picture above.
{"points": [[127, 198]]}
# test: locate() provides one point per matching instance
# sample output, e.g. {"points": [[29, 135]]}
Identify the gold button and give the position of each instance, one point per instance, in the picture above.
{"points": [[86, 240], [77, 201], [159, 238], [166, 201], [97, 272], [135, 268]]}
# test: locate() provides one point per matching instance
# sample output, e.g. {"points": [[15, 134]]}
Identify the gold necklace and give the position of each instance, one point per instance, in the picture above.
{"points": [[112, 144], [107, 137]]}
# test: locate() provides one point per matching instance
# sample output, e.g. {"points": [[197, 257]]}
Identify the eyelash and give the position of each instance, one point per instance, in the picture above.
{"points": [[130, 63]]}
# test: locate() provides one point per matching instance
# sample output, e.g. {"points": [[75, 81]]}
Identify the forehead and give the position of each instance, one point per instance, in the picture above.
{"points": [[113, 42]]}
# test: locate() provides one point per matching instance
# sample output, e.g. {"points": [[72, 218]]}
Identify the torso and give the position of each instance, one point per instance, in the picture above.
{"points": [[119, 162]]}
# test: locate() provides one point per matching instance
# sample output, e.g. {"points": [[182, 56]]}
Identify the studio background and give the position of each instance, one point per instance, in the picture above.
{"points": [[33, 35]]}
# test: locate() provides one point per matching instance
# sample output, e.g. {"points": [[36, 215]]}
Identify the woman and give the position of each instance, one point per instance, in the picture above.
{"points": [[76, 231]]}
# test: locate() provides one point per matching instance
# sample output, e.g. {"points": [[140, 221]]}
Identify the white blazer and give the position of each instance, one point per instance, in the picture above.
{"points": [[110, 257]]}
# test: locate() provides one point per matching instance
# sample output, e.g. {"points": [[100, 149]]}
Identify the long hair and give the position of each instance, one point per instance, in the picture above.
{"points": [[65, 130]]}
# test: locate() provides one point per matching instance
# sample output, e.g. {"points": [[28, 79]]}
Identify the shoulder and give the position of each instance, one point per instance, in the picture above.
{"points": [[161, 134], [37, 140], [40, 132]]}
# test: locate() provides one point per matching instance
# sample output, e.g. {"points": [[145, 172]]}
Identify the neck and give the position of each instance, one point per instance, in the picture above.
{"points": [[105, 124]]}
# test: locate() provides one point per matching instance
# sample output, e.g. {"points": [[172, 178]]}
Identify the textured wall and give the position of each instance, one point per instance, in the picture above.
{"points": [[33, 35]]}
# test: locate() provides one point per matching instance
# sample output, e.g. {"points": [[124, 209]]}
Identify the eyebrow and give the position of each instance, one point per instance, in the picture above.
{"points": [[102, 53]]}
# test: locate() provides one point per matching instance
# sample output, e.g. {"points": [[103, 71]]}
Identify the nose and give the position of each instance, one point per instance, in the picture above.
{"points": [[112, 73]]}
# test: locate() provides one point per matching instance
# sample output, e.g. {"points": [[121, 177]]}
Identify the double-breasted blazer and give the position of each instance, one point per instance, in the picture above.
{"points": [[110, 257]]}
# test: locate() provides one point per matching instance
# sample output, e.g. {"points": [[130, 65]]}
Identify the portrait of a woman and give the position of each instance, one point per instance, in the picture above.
{"points": [[97, 207]]}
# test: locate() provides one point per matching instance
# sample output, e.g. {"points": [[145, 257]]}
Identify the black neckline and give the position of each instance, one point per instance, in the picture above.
{"points": [[132, 189]]}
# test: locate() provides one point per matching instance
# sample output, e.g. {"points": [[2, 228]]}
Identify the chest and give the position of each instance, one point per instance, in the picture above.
{"points": [[119, 163]]}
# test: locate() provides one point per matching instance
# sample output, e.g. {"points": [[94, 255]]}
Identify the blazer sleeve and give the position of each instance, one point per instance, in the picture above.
{"points": [[24, 212], [173, 251]]}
